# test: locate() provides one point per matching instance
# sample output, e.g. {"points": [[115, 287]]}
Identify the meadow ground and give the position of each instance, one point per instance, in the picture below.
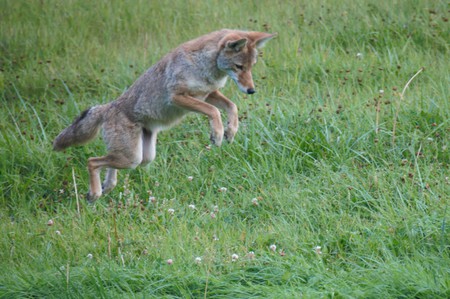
{"points": [[334, 165]]}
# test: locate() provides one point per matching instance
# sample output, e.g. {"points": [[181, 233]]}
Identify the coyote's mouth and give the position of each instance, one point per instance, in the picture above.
{"points": [[242, 88]]}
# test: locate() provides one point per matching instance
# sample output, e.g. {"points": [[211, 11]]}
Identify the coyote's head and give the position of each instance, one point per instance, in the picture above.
{"points": [[238, 54]]}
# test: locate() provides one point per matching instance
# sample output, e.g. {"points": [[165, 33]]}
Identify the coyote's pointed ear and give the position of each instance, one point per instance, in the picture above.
{"points": [[261, 38], [237, 45]]}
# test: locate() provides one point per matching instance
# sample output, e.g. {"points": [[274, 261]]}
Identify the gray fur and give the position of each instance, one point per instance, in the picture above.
{"points": [[83, 129]]}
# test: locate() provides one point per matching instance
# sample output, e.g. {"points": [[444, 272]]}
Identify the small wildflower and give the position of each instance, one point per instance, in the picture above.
{"points": [[145, 252], [198, 260], [273, 247], [169, 262], [50, 222], [58, 233], [255, 201], [234, 257], [171, 211], [156, 184], [192, 207], [213, 215], [216, 209], [359, 55], [282, 253], [223, 189], [90, 256], [215, 238], [318, 250], [251, 255], [381, 91], [61, 191], [190, 178], [152, 199]]}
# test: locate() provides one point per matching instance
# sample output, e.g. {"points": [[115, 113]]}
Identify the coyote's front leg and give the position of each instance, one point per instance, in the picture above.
{"points": [[192, 104], [217, 99]]}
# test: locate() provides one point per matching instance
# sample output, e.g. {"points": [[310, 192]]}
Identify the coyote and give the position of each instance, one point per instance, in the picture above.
{"points": [[187, 79]]}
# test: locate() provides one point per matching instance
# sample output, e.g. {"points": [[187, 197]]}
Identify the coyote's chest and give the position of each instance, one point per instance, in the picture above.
{"points": [[200, 89]]}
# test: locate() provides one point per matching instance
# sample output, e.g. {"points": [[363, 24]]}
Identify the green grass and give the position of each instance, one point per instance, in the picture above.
{"points": [[316, 148]]}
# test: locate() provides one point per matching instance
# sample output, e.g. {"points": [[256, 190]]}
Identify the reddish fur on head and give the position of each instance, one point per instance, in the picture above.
{"points": [[238, 55]]}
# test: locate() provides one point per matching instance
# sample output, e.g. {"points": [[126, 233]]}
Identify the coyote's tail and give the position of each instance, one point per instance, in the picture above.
{"points": [[82, 130]]}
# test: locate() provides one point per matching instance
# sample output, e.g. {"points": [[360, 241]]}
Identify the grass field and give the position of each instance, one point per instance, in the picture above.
{"points": [[339, 163]]}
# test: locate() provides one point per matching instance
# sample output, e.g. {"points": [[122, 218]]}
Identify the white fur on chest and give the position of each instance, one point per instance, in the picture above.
{"points": [[198, 86]]}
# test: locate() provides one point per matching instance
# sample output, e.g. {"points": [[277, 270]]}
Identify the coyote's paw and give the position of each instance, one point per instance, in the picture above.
{"points": [[216, 137], [107, 186], [92, 197], [230, 132]]}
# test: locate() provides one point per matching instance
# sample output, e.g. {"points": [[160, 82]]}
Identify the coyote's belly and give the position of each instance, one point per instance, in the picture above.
{"points": [[170, 115]]}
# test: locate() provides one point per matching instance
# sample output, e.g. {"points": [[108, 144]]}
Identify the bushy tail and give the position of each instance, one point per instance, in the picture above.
{"points": [[82, 130]]}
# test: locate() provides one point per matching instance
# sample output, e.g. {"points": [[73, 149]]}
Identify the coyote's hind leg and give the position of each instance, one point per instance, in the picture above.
{"points": [[148, 146], [110, 180], [124, 142], [113, 162]]}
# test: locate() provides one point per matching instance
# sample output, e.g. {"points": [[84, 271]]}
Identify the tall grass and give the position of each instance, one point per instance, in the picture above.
{"points": [[352, 213]]}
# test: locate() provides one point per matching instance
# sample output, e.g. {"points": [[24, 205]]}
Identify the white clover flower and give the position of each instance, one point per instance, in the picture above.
{"points": [[213, 215], [90, 256], [251, 255], [50, 222], [169, 262], [152, 199], [215, 238], [359, 55], [223, 189], [318, 249], [171, 211], [255, 201], [192, 207], [198, 260], [381, 91], [234, 257], [273, 247], [190, 178], [58, 233], [216, 209]]}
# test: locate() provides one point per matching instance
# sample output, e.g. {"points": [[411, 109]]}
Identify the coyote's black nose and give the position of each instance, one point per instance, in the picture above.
{"points": [[251, 91]]}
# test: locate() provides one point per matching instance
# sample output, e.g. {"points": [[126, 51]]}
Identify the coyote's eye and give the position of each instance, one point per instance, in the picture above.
{"points": [[239, 67]]}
